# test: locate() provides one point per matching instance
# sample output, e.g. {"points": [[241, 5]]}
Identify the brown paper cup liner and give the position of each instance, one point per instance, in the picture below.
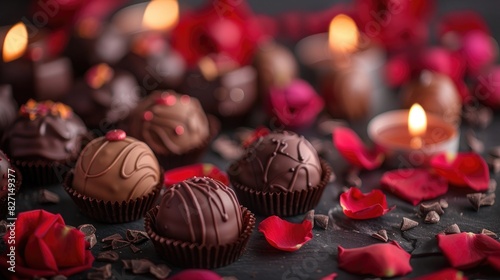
{"points": [[193, 155], [282, 203], [4, 200], [113, 212], [42, 173], [192, 255]]}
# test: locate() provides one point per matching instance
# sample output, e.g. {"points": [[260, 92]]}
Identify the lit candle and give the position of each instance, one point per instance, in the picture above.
{"points": [[412, 137]]}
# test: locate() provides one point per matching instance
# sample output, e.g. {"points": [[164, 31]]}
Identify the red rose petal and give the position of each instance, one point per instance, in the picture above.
{"points": [[354, 151], [414, 185], [180, 174], [330, 277], [445, 274], [467, 250], [465, 170], [200, 274], [284, 235], [398, 70], [357, 205], [381, 260]]}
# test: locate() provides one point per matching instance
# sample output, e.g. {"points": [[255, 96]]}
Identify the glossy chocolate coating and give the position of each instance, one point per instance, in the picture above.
{"points": [[276, 66], [279, 162], [170, 123], [8, 108], [436, 93], [4, 174], [54, 136], [200, 210], [102, 102], [116, 170]]}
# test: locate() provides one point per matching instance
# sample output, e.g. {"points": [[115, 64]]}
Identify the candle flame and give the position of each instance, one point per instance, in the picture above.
{"points": [[343, 35], [161, 15], [417, 120], [15, 43]]}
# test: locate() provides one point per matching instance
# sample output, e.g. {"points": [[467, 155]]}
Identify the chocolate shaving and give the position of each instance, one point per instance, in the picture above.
{"points": [[494, 152], [59, 277], [428, 207], [227, 148], [99, 273], [489, 233], [493, 164], [309, 216], [107, 256], [134, 248], [160, 271], [443, 203], [141, 266], [321, 221], [136, 236], [479, 199], [452, 229], [117, 243], [432, 217], [492, 186], [473, 142], [407, 224], [127, 264], [351, 177], [488, 199], [112, 237], [91, 239], [87, 229], [48, 197], [381, 235]]}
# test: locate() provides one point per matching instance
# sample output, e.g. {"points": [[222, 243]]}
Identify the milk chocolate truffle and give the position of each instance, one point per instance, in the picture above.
{"points": [[8, 108], [116, 168], [200, 210], [104, 97], [279, 162], [436, 93], [170, 123]]}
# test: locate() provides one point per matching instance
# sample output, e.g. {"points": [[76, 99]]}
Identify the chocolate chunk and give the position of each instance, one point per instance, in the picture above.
{"points": [[112, 237], [407, 224], [351, 177], [127, 264], [59, 277], [117, 243], [87, 229], [160, 271], [452, 229], [92, 240], [381, 235], [492, 186], [326, 126], [488, 199], [475, 200], [99, 273], [227, 148], [141, 266], [489, 233], [432, 217], [107, 256], [321, 221], [473, 142], [443, 203], [136, 236], [309, 216], [47, 197], [493, 164], [428, 207], [494, 152], [134, 248]]}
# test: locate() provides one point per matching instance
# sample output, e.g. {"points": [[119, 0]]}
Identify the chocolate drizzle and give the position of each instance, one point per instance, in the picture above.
{"points": [[116, 170], [200, 210], [279, 162]]}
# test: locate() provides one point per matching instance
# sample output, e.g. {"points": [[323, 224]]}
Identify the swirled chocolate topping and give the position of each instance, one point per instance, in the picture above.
{"points": [[279, 162], [169, 123], [4, 174], [116, 168], [200, 210], [45, 130]]}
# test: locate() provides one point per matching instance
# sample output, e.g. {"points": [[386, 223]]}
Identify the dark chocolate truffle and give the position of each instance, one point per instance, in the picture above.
{"points": [[436, 93], [45, 131], [104, 97], [116, 168], [200, 210], [8, 108], [170, 123], [279, 162]]}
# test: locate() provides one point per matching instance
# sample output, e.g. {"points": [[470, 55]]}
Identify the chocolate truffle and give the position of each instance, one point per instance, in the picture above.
{"points": [[279, 162], [170, 123], [104, 97], [200, 210], [116, 168], [8, 108], [436, 93], [45, 131]]}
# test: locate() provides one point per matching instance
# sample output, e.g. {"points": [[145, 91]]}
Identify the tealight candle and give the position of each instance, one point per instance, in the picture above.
{"points": [[411, 137]]}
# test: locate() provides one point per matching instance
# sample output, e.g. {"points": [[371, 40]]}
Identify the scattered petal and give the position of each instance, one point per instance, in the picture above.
{"points": [[466, 169], [284, 235], [354, 151], [414, 185], [180, 174], [329, 277], [357, 205], [381, 260], [446, 274]]}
